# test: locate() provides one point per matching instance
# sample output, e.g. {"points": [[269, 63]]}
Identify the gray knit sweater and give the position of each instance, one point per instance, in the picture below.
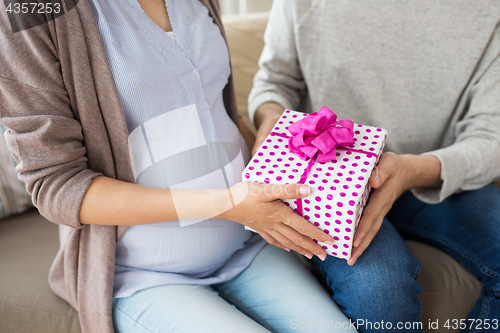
{"points": [[427, 71]]}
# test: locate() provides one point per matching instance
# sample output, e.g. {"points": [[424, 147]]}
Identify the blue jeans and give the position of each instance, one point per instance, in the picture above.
{"points": [[467, 227], [379, 291], [275, 293]]}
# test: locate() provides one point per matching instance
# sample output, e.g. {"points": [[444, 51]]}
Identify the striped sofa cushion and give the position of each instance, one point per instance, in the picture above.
{"points": [[13, 196]]}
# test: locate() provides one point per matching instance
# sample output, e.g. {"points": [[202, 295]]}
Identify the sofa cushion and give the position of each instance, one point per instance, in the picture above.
{"points": [[449, 289], [28, 245], [13, 196], [245, 38]]}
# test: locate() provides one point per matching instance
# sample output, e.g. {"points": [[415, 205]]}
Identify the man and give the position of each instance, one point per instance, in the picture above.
{"points": [[429, 73]]}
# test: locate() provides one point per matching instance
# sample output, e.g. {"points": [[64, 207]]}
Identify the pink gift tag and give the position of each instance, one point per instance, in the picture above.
{"points": [[339, 188]]}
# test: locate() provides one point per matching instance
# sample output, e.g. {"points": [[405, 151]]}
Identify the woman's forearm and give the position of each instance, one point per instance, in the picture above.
{"points": [[113, 202]]}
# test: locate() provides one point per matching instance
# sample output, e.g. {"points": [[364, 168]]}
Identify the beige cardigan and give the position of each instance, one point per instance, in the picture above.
{"points": [[66, 127]]}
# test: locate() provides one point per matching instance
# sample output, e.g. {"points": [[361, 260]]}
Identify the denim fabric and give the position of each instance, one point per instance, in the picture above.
{"points": [[379, 291], [466, 226], [275, 293]]}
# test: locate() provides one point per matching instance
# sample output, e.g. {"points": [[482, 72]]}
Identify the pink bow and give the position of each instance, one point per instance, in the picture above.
{"points": [[319, 134]]}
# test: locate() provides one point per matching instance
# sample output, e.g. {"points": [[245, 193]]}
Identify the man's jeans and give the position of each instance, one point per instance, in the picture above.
{"points": [[467, 227], [379, 291], [381, 285]]}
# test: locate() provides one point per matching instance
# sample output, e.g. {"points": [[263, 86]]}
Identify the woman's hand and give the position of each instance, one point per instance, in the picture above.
{"points": [[394, 175], [258, 206]]}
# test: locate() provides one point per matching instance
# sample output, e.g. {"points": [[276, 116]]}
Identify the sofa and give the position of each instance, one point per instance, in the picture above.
{"points": [[28, 242]]}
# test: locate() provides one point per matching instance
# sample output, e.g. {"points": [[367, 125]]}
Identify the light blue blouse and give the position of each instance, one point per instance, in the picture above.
{"points": [[180, 136]]}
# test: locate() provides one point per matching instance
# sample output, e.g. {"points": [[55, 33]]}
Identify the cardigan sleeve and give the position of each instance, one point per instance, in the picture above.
{"points": [[473, 159], [43, 134], [279, 78]]}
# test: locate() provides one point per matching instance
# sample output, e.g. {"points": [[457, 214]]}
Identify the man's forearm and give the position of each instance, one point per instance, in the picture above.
{"points": [[424, 171], [268, 110], [265, 118]]}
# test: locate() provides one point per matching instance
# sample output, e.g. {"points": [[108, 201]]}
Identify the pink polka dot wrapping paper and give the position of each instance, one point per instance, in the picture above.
{"points": [[339, 189]]}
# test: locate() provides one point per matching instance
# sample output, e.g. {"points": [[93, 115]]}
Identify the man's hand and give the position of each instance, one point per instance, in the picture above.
{"points": [[394, 175], [266, 116]]}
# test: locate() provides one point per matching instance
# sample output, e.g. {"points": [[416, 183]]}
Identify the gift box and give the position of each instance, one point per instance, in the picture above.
{"points": [[334, 157]]}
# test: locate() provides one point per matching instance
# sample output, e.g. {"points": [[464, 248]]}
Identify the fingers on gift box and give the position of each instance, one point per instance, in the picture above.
{"points": [[334, 157]]}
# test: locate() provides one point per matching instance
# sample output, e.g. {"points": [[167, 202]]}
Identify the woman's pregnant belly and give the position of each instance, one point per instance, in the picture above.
{"points": [[196, 250], [176, 247]]}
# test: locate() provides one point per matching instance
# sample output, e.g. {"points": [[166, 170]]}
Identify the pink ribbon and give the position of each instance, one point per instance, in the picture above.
{"points": [[316, 137], [318, 134]]}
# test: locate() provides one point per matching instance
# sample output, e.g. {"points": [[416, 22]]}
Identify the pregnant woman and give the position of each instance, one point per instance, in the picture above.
{"points": [[121, 115]]}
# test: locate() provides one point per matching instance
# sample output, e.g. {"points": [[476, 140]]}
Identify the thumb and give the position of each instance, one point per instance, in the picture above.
{"points": [[375, 180], [383, 170], [291, 191]]}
